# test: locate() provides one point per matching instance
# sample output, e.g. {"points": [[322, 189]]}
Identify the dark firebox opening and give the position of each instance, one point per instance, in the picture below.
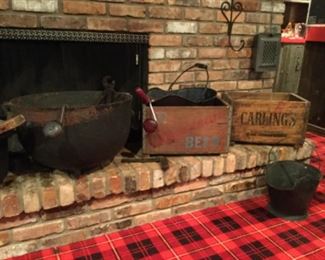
{"points": [[37, 61]]}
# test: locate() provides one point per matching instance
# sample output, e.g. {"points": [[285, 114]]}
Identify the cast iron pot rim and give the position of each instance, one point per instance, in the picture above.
{"points": [[126, 97]]}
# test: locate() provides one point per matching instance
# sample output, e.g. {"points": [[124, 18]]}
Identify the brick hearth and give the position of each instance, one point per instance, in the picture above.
{"points": [[42, 210]]}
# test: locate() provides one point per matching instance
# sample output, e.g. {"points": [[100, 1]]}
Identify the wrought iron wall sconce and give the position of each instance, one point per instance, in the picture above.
{"points": [[232, 7]]}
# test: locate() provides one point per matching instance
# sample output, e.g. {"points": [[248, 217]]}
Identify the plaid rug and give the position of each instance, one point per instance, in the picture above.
{"points": [[241, 230]]}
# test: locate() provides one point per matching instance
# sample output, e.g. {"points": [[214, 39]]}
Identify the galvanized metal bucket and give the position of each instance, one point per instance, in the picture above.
{"points": [[291, 186], [187, 96]]}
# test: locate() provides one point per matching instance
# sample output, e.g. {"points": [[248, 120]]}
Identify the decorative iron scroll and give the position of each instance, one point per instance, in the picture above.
{"points": [[232, 7], [74, 36]]}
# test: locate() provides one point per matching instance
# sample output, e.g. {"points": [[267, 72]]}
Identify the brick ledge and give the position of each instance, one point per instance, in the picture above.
{"points": [[192, 183], [44, 191]]}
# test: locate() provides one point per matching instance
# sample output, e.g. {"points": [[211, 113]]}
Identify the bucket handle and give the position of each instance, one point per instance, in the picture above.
{"points": [[195, 65]]}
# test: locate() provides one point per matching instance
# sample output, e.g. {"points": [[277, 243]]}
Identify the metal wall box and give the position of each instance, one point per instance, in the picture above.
{"points": [[267, 52], [189, 130], [268, 118]]}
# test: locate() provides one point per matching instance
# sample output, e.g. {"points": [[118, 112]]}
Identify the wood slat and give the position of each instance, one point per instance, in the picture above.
{"points": [[11, 123]]}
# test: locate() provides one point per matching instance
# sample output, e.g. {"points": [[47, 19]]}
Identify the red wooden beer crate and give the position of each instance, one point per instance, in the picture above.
{"points": [[189, 129]]}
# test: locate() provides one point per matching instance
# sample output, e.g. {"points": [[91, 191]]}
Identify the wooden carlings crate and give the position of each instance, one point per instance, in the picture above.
{"points": [[189, 130], [268, 118]]}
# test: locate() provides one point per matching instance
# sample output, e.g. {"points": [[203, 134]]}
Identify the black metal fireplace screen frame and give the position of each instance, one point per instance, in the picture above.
{"points": [[68, 35]]}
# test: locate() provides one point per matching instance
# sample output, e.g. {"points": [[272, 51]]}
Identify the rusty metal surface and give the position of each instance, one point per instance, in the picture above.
{"points": [[93, 134]]}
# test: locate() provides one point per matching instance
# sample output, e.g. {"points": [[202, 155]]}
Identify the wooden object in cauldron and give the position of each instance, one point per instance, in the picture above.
{"points": [[268, 118]]}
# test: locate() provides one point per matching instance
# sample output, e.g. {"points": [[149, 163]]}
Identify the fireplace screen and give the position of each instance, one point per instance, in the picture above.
{"points": [[38, 61]]}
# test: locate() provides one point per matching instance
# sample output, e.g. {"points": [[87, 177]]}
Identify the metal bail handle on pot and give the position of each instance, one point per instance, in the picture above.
{"points": [[187, 96], [291, 186]]}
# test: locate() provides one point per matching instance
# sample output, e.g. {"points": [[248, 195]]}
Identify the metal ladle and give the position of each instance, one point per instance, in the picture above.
{"points": [[55, 128]]}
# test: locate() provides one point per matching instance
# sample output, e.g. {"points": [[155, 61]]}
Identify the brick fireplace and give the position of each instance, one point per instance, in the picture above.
{"points": [[44, 209], [180, 33]]}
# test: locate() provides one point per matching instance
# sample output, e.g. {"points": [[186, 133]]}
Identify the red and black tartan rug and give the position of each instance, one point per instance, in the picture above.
{"points": [[241, 230]]}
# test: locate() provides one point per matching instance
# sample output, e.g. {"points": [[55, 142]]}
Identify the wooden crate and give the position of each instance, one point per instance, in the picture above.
{"points": [[268, 118], [189, 130]]}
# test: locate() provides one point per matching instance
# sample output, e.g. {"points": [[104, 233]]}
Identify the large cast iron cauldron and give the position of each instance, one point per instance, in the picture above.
{"points": [[95, 126]]}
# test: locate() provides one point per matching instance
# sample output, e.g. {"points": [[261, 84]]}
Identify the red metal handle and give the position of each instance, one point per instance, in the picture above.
{"points": [[140, 93]]}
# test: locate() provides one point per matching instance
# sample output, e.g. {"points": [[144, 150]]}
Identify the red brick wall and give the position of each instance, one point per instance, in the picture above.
{"points": [[181, 32]]}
